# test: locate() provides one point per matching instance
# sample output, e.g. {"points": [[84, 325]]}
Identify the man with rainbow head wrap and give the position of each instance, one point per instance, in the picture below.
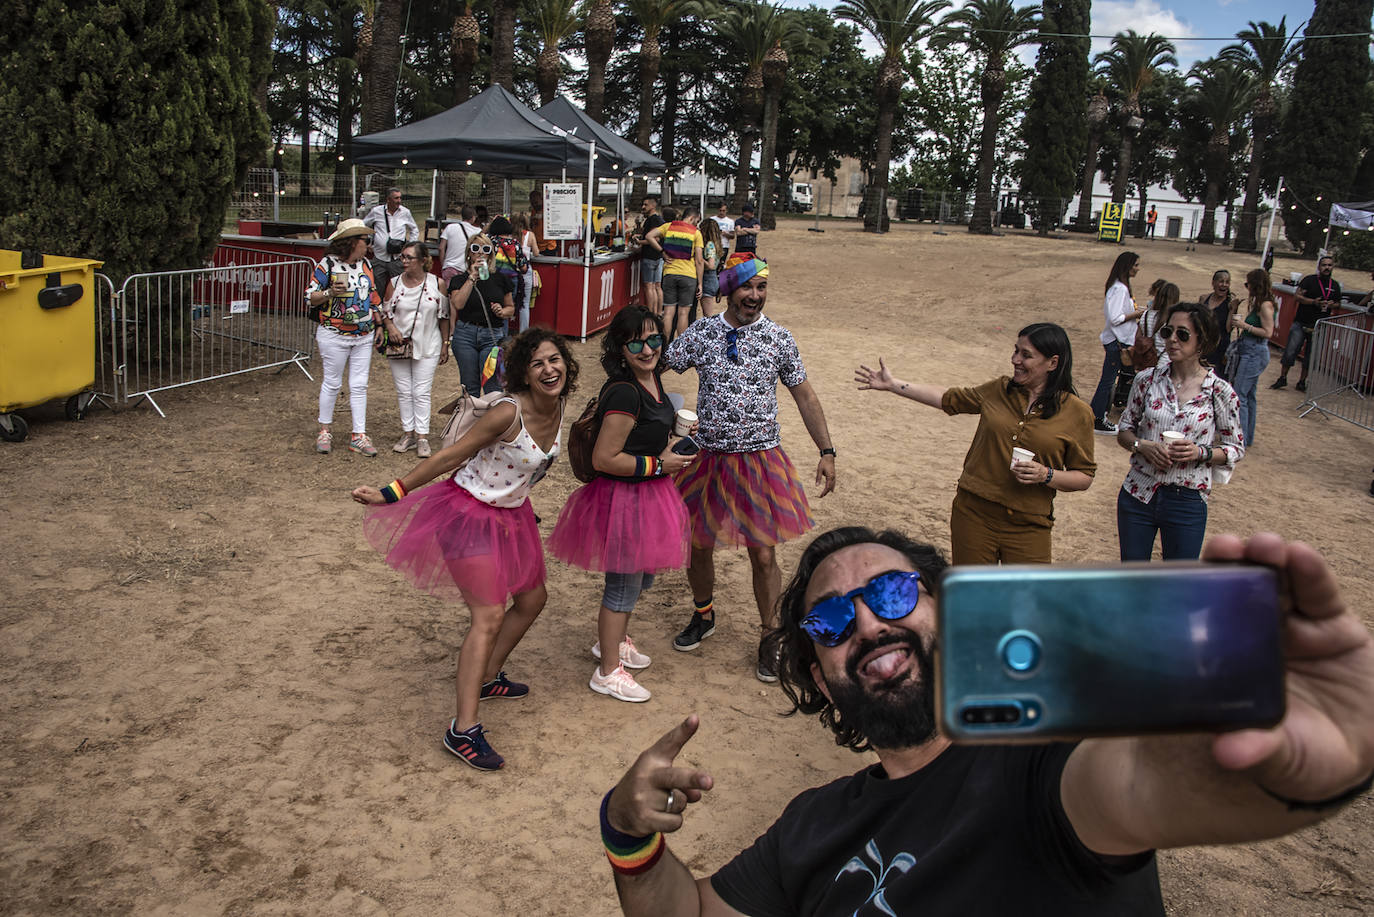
{"points": [[743, 491]]}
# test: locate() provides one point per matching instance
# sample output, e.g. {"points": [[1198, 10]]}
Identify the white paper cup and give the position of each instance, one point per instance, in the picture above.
{"points": [[1021, 455], [682, 423], [1172, 436], [338, 277], [1295, 277]]}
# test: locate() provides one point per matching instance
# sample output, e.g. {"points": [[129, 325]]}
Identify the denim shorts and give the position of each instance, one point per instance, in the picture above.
{"points": [[651, 270], [623, 589]]}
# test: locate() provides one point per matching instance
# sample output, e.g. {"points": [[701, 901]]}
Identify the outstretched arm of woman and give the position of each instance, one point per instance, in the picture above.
{"points": [[882, 380], [488, 429]]}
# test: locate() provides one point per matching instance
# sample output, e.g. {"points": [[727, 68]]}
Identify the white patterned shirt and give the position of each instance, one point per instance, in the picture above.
{"points": [[1211, 418], [737, 402]]}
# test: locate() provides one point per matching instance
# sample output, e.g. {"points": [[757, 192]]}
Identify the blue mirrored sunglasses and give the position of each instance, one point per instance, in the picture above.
{"points": [[653, 342], [891, 596], [732, 345]]}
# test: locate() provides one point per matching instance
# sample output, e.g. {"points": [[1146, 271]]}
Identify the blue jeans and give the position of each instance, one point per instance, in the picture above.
{"points": [[1111, 365], [1177, 514], [623, 589], [1252, 355], [470, 346], [1296, 335]]}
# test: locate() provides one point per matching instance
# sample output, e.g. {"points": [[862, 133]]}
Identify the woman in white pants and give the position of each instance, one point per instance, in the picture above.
{"points": [[342, 297], [529, 245], [416, 310]]}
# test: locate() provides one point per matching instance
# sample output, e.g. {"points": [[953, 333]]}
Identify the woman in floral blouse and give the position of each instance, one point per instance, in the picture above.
{"points": [[1167, 488]]}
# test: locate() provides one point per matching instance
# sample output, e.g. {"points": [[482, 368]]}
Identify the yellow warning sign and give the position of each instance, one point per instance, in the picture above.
{"points": [[1109, 227]]}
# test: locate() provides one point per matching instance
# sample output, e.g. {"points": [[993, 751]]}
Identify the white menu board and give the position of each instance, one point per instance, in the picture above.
{"points": [[563, 211]]}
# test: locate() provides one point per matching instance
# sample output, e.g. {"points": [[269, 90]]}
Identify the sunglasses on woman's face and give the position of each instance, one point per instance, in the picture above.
{"points": [[479, 249], [891, 596], [653, 342], [1168, 331]]}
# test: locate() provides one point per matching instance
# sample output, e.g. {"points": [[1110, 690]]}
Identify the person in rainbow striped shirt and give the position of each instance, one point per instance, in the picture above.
{"points": [[680, 243]]}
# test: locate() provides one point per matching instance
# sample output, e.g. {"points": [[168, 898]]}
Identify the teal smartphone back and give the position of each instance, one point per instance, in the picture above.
{"points": [[1035, 653]]}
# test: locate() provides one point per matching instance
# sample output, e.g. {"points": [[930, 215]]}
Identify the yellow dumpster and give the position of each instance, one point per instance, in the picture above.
{"points": [[47, 334]]}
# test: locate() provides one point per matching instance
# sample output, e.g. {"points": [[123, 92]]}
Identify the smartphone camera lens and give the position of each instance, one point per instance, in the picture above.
{"points": [[1004, 714]]}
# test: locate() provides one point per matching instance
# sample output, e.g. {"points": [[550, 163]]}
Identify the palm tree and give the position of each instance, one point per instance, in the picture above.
{"points": [[894, 25], [992, 29], [503, 43], [554, 20], [600, 39], [1131, 64], [1098, 109], [379, 44], [1265, 51], [463, 51], [652, 15], [747, 27], [1223, 92]]}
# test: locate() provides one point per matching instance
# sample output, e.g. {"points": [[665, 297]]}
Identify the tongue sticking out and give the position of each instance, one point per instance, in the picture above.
{"points": [[886, 665]]}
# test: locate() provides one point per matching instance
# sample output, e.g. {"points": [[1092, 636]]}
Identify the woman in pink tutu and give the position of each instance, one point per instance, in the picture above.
{"points": [[474, 536], [630, 522]]}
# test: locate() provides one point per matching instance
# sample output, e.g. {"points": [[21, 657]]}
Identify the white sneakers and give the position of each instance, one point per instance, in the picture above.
{"points": [[620, 684], [630, 657]]}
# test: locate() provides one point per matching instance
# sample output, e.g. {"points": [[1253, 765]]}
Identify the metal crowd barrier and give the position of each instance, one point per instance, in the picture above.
{"points": [[176, 328], [1341, 369]]}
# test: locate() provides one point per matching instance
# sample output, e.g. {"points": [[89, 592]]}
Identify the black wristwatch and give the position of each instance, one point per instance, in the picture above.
{"points": [[829, 450]]}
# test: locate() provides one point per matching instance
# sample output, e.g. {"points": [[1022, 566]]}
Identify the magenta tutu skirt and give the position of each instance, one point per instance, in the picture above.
{"points": [[744, 499], [622, 527], [452, 545]]}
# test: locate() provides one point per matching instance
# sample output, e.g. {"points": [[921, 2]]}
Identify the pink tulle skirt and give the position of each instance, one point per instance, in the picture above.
{"points": [[452, 545], [623, 527]]}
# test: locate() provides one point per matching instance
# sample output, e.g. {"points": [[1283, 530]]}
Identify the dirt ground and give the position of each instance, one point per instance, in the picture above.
{"points": [[218, 700]]}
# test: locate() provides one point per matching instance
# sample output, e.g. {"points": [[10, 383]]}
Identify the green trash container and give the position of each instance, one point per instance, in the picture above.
{"points": [[47, 334]]}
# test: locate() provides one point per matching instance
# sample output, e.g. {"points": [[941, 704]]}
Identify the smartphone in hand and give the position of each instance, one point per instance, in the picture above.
{"points": [[1039, 653], [686, 446]]}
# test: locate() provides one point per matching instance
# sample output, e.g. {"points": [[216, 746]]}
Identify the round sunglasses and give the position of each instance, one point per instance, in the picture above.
{"points": [[1168, 331], [653, 342], [478, 249], [891, 596]]}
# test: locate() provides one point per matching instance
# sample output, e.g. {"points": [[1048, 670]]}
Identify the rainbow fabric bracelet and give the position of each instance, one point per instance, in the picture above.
{"points": [[629, 856], [393, 492], [648, 466]]}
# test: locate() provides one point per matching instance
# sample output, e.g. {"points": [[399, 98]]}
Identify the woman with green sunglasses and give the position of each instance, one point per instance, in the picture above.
{"points": [[630, 522]]}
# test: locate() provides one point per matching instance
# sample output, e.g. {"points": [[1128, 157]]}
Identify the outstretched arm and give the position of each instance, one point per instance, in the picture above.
{"points": [[882, 380], [488, 429], [1127, 795], [649, 801]]}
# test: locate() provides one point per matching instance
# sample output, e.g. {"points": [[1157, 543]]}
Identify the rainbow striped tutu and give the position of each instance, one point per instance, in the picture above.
{"points": [[744, 499]]}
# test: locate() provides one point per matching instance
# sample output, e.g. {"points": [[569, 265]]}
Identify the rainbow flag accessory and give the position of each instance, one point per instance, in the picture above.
{"points": [[494, 366], [678, 239], [739, 270]]}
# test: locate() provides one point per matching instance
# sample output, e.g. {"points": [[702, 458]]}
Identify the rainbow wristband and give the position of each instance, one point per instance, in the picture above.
{"points": [[648, 466], [628, 855], [393, 492]]}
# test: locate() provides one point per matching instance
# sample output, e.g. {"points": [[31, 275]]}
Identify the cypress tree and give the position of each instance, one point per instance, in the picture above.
{"points": [[128, 125], [1319, 141], [1056, 124]]}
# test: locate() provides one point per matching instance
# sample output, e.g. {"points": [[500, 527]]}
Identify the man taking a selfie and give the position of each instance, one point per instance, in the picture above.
{"points": [[1068, 828]]}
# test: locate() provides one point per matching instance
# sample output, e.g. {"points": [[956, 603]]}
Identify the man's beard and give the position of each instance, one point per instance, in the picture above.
{"points": [[896, 714]]}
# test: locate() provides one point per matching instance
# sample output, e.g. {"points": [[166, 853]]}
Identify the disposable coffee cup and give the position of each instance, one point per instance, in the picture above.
{"points": [[1021, 455], [682, 423], [338, 277], [1172, 436], [1295, 277]]}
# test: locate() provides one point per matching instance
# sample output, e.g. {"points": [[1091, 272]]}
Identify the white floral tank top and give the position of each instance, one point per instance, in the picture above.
{"points": [[503, 473]]}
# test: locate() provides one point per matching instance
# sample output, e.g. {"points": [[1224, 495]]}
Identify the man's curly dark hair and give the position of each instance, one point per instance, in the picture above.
{"points": [[520, 352], [793, 648]]}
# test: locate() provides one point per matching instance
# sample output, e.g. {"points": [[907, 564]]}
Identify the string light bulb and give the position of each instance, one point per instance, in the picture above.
{"points": [[404, 160]]}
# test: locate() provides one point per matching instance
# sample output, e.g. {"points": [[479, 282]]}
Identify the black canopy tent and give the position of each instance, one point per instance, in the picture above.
{"points": [[493, 132], [579, 124]]}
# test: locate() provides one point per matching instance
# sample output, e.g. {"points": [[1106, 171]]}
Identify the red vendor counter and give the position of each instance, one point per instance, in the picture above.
{"points": [[612, 282]]}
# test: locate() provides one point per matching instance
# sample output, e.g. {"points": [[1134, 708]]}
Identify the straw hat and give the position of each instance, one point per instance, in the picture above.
{"points": [[349, 228]]}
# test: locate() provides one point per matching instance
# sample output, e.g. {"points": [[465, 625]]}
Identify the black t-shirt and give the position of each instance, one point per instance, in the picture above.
{"points": [[493, 289], [746, 242], [1313, 287], [978, 831], [652, 221], [653, 416]]}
